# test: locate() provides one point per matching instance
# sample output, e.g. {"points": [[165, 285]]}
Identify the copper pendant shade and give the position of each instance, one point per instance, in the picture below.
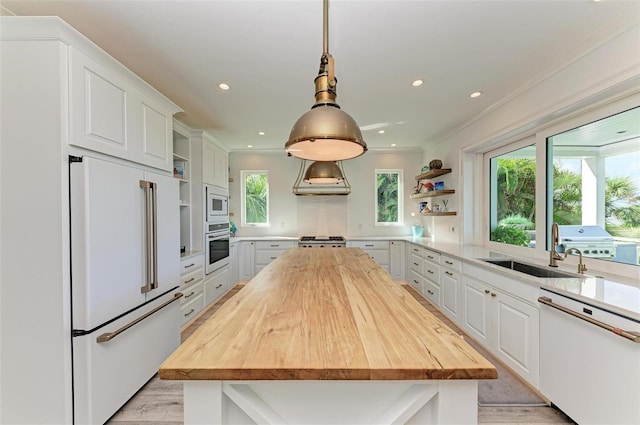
{"points": [[326, 132]]}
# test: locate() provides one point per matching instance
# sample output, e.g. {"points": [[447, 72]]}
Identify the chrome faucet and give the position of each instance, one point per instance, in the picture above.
{"points": [[581, 267], [553, 254]]}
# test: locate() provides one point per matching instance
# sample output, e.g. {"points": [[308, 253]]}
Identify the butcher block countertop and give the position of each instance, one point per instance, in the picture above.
{"points": [[324, 314]]}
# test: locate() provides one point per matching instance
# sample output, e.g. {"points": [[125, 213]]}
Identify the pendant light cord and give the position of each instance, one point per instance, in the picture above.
{"points": [[325, 27]]}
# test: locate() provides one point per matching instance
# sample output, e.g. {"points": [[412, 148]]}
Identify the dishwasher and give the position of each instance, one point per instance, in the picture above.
{"points": [[589, 361]]}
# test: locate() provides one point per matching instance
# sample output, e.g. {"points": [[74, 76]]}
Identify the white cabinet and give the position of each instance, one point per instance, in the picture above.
{"points": [[431, 274], [247, 260], [234, 262], [397, 252], [450, 282], [378, 250], [505, 325], [191, 275], [267, 251], [216, 284], [215, 164], [112, 114]]}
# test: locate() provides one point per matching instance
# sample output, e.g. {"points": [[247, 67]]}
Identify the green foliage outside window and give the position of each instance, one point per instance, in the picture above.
{"points": [[256, 198], [387, 197]]}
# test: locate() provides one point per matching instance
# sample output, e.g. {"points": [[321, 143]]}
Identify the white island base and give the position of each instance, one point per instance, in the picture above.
{"points": [[331, 402]]}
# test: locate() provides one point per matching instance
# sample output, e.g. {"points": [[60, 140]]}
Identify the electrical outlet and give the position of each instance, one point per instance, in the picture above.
{"points": [[452, 229]]}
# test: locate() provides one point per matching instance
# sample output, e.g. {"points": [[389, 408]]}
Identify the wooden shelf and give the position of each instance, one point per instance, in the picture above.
{"points": [[434, 213], [432, 193], [433, 173]]}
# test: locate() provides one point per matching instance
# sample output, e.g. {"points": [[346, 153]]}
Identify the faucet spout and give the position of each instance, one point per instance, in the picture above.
{"points": [[581, 266], [554, 257]]}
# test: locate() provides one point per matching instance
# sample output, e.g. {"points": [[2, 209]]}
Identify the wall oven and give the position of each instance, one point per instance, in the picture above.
{"points": [[216, 242], [217, 203]]}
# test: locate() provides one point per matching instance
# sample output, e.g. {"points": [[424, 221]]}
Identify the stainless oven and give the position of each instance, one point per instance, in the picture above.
{"points": [[217, 205], [216, 243]]}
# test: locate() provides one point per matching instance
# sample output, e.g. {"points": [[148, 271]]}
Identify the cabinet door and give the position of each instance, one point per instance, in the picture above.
{"points": [[517, 335], [247, 260], [208, 162], [475, 303], [221, 167], [233, 261], [99, 103], [451, 294], [397, 260], [156, 134]]}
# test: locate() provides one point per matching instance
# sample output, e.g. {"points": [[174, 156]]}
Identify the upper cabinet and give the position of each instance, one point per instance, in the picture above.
{"points": [[114, 112], [215, 164]]}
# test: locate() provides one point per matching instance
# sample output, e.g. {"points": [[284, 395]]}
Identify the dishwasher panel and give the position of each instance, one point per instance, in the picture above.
{"points": [[591, 373]]}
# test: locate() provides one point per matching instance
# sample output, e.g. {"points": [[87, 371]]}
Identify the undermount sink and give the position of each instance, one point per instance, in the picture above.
{"points": [[528, 268]]}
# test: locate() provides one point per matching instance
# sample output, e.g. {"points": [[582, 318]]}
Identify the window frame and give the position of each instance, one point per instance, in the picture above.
{"points": [[543, 221], [400, 173], [243, 195]]}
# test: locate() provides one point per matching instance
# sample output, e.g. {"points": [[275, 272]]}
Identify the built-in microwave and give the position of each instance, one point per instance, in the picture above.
{"points": [[217, 203]]}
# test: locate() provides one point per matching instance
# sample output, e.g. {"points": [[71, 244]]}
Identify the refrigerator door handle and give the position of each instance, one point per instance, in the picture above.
{"points": [[154, 191], [105, 337], [146, 186]]}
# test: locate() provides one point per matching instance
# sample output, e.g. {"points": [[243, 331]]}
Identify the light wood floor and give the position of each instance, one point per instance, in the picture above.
{"points": [[161, 402]]}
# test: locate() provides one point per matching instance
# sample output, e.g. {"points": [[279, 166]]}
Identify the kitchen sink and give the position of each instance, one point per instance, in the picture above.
{"points": [[529, 269]]}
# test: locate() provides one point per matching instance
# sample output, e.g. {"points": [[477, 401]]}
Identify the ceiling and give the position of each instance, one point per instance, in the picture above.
{"points": [[268, 52]]}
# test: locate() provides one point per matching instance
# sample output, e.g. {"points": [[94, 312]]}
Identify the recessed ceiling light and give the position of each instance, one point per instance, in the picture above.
{"points": [[417, 83], [223, 86], [380, 131], [249, 146], [476, 94], [260, 133], [393, 145]]}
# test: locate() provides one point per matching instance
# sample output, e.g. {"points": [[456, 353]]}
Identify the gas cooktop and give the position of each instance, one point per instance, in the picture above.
{"points": [[321, 239]]}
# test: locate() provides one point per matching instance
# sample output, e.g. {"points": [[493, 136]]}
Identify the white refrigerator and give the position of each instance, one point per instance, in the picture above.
{"points": [[125, 274]]}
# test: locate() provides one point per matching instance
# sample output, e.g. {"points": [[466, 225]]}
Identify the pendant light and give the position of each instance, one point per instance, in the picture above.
{"points": [[326, 132], [323, 172]]}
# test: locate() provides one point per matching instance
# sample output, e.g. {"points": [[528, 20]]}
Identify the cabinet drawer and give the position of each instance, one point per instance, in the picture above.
{"points": [[415, 263], [431, 271], [367, 245], [191, 278], [279, 245], [215, 287], [432, 291], [451, 263], [191, 309], [187, 265], [432, 256], [416, 250], [266, 256], [415, 280], [380, 257], [191, 293]]}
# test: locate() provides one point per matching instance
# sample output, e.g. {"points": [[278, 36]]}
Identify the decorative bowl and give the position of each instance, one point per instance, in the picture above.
{"points": [[435, 164]]}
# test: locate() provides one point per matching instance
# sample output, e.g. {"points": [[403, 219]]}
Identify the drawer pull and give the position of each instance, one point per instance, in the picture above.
{"points": [[415, 281], [273, 258], [368, 245], [190, 280], [190, 294], [415, 250], [429, 291], [219, 285], [275, 246], [430, 257], [429, 271], [415, 264], [190, 265], [493, 294], [189, 313], [448, 262], [449, 273]]}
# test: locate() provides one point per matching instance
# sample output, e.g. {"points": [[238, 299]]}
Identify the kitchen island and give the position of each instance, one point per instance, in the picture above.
{"points": [[326, 336]]}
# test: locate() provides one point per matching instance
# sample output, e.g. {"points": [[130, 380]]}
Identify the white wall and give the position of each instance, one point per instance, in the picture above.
{"points": [[351, 215]]}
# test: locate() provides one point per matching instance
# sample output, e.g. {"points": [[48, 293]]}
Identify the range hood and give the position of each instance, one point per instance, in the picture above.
{"points": [[302, 188]]}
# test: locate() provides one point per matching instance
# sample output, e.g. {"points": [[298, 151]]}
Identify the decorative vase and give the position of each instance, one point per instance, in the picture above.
{"points": [[435, 164]]}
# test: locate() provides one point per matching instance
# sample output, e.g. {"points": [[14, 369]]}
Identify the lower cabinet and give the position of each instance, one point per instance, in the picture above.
{"points": [[377, 250], [451, 282], [397, 253], [216, 284], [234, 262], [191, 274], [506, 326], [267, 251], [246, 260]]}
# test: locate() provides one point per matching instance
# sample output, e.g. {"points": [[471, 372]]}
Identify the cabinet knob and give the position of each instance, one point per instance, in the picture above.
{"points": [[493, 294], [486, 291]]}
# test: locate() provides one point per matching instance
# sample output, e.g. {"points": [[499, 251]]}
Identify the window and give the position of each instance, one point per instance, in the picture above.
{"points": [[255, 198], [512, 202], [594, 171], [389, 197]]}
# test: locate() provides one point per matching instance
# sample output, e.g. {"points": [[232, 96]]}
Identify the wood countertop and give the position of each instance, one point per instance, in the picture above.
{"points": [[324, 314]]}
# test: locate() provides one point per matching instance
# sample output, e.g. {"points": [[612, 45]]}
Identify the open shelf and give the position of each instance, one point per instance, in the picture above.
{"points": [[432, 193], [433, 173]]}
